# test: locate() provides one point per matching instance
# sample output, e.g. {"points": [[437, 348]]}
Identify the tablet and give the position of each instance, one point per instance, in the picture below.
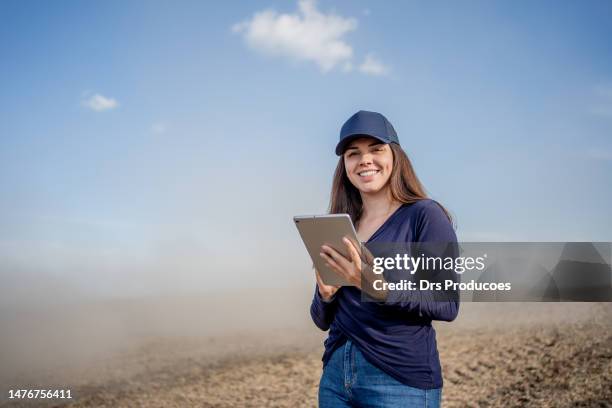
{"points": [[317, 230]]}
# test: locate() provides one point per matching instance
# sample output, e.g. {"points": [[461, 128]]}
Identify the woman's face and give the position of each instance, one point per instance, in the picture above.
{"points": [[368, 164]]}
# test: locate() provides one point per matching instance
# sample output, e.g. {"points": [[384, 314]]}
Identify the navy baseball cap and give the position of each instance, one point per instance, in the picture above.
{"points": [[365, 123]]}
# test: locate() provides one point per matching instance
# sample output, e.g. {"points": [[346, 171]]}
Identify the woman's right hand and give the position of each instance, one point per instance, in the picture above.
{"points": [[326, 291]]}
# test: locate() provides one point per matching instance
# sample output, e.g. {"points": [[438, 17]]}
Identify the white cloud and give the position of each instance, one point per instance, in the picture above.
{"points": [[159, 128], [347, 67], [373, 66], [100, 103], [307, 35]]}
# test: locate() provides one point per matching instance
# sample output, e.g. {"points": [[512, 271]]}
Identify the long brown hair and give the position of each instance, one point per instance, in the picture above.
{"points": [[404, 185]]}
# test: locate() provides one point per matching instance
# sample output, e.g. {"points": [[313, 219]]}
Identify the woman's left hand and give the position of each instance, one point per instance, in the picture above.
{"points": [[349, 269]]}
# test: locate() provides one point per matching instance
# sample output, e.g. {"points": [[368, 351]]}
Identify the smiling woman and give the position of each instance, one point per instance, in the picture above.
{"points": [[368, 164], [379, 355]]}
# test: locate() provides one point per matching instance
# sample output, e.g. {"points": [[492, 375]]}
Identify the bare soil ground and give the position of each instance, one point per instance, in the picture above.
{"points": [[494, 355]]}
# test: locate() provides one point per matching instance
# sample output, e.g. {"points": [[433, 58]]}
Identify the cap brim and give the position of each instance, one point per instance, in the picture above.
{"points": [[341, 146]]}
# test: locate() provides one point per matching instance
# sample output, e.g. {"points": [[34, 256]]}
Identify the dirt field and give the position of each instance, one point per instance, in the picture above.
{"points": [[497, 355]]}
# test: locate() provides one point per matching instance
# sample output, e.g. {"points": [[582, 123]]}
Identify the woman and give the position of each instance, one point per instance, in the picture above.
{"points": [[379, 354]]}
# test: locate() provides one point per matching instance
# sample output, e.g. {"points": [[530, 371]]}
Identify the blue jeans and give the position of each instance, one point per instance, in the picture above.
{"points": [[349, 380]]}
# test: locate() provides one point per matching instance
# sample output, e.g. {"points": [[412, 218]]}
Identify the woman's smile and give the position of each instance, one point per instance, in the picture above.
{"points": [[368, 175]]}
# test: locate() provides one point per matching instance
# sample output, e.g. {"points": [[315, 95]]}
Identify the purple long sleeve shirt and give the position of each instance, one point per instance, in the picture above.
{"points": [[397, 336]]}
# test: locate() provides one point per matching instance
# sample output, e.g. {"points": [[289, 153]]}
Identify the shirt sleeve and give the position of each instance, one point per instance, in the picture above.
{"points": [[432, 226], [322, 312]]}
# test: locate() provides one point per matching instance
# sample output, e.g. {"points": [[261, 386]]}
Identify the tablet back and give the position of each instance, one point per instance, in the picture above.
{"points": [[317, 230]]}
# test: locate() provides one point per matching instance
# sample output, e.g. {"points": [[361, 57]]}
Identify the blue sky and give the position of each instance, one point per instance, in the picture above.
{"points": [[148, 145]]}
